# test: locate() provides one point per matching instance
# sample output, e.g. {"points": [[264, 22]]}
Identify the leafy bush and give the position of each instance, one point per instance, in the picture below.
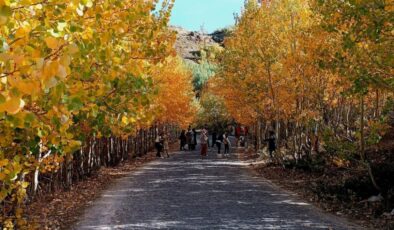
{"points": [[201, 73], [342, 148]]}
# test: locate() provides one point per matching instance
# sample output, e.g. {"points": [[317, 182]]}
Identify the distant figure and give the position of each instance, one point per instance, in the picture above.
{"points": [[182, 139], [237, 134], [271, 143], [242, 141], [213, 138], [219, 142], [194, 139], [242, 131], [159, 145], [204, 143], [207, 133], [226, 142], [166, 146], [189, 138]]}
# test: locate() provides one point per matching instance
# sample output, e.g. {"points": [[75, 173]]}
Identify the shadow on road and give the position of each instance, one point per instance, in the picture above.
{"points": [[185, 192]]}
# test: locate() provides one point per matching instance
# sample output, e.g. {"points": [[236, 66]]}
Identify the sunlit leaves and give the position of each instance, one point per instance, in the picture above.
{"points": [[306, 63], [174, 101], [75, 69], [12, 105], [364, 30], [52, 42]]}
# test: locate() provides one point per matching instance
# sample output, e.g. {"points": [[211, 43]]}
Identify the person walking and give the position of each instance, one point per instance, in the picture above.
{"points": [[214, 136], [182, 139], [271, 143], [237, 135], [194, 139], [219, 142], [226, 142], [189, 138], [158, 145], [166, 146], [204, 143]]}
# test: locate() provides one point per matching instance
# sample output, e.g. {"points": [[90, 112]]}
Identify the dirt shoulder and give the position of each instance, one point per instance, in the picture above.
{"points": [[61, 209], [315, 188]]}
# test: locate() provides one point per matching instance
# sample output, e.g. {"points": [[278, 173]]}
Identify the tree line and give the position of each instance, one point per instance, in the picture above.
{"points": [[318, 73], [83, 84]]}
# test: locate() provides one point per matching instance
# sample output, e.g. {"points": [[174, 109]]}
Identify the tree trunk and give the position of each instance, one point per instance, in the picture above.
{"points": [[362, 146], [258, 135], [362, 139], [377, 112]]}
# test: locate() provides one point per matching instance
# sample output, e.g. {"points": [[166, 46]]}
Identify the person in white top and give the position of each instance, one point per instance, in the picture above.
{"points": [[204, 143], [166, 146], [226, 142], [158, 144]]}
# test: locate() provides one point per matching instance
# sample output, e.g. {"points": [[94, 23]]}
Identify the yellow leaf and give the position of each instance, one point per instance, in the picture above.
{"points": [[25, 184], [52, 42], [28, 87], [21, 32], [62, 72], [125, 121], [36, 53], [73, 49], [4, 162], [51, 69], [4, 57], [12, 106], [65, 60]]}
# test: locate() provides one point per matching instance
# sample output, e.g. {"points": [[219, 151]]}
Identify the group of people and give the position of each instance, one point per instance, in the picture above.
{"points": [[162, 144], [188, 138], [220, 139]]}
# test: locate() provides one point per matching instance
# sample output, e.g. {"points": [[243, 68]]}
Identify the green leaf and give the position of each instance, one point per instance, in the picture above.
{"points": [[2, 99], [5, 11], [75, 104]]}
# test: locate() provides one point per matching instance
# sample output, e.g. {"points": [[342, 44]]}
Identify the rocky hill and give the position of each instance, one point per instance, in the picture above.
{"points": [[189, 43]]}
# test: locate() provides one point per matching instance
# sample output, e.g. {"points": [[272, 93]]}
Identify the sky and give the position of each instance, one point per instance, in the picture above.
{"points": [[211, 14]]}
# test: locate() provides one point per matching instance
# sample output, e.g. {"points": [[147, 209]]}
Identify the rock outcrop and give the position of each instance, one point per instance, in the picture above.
{"points": [[190, 43]]}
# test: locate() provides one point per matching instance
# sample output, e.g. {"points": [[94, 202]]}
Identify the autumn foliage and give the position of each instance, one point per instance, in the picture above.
{"points": [[315, 72], [174, 101], [73, 70]]}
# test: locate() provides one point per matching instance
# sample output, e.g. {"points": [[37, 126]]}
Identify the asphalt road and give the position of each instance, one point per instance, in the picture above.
{"points": [[185, 192]]}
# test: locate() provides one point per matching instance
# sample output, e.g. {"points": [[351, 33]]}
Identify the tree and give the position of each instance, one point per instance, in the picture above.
{"points": [[75, 70], [309, 68]]}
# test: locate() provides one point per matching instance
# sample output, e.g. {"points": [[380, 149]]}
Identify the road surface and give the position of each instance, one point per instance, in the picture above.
{"points": [[185, 192]]}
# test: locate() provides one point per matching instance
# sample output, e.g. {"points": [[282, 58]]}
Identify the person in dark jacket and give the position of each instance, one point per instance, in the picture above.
{"points": [[214, 136], [189, 139], [182, 139], [159, 144], [194, 139], [271, 143], [219, 142]]}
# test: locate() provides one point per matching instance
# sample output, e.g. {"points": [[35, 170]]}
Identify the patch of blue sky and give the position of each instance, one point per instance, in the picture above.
{"points": [[208, 15]]}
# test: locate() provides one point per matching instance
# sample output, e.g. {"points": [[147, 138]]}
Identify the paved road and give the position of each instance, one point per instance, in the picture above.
{"points": [[185, 192]]}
